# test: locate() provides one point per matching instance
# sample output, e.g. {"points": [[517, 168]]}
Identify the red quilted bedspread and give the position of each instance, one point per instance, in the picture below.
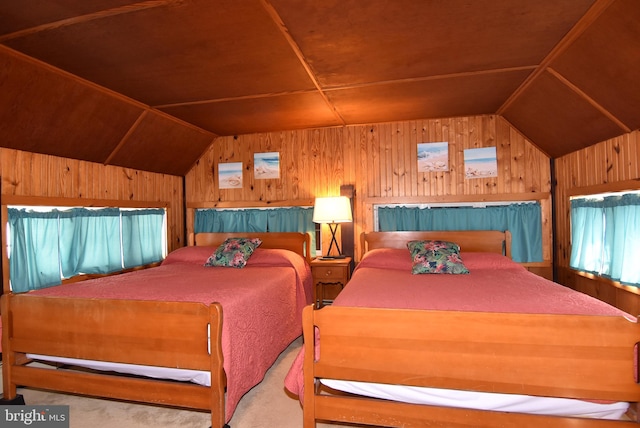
{"points": [[262, 303], [383, 279]]}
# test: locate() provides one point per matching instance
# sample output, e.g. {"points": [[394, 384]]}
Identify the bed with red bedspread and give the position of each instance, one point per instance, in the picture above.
{"points": [[217, 328], [498, 346]]}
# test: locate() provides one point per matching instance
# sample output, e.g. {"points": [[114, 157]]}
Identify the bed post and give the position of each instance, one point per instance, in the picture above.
{"points": [[9, 392], [10, 395], [217, 370], [4, 220], [308, 404], [507, 243]]}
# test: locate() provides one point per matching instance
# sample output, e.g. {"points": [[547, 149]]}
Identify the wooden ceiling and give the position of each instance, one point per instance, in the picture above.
{"points": [[150, 84]]}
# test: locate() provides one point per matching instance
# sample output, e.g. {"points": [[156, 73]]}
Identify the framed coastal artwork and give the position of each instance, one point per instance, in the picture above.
{"points": [[480, 163], [433, 157], [230, 175], [266, 165]]}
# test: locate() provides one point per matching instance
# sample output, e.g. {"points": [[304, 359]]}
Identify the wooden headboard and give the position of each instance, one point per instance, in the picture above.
{"points": [[299, 243], [487, 241]]}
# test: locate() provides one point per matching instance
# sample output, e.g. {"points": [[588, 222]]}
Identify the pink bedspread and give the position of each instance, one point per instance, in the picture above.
{"points": [[383, 279], [262, 304]]}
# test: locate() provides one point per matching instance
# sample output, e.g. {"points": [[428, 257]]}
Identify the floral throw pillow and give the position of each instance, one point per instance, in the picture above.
{"points": [[233, 252], [436, 257]]}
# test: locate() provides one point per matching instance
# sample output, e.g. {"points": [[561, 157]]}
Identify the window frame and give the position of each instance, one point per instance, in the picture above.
{"points": [[63, 202], [625, 186]]}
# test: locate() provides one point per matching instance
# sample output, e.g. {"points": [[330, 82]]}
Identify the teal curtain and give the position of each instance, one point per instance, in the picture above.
{"points": [[90, 241], [285, 219], [293, 219], [35, 257], [587, 235], [622, 246], [212, 220], [141, 242], [604, 235], [48, 246], [524, 221]]}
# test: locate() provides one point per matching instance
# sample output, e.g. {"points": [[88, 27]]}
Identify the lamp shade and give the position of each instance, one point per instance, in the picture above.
{"points": [[334, 209]]}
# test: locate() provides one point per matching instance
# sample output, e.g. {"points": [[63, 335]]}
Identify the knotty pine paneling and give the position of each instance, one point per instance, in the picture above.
{"points": [[35, 175], [612, 165], [306, 157], [380, 160]]}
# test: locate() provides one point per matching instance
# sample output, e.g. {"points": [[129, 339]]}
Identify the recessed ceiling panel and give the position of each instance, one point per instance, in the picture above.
{"points": [[41, 12], [455, 96], [354, 41], [234, 117], [557, 119], [43, 111], [181, 52], [161, 144]]}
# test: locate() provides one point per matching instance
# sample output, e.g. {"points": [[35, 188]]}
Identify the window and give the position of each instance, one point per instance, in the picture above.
{"points": [[605, 236], [47, 245]]}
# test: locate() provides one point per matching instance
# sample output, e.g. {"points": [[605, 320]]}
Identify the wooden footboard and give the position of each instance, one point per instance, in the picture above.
{"points": [[166, 334], [583, 357]]}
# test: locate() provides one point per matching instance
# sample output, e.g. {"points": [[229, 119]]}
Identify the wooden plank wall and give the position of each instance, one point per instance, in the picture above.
{"points": [[612, 165], [380, 161], [35, 175]]}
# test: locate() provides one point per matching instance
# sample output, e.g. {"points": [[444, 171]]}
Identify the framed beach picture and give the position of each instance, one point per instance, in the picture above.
{"points": [[433, 157], [266, 165], [480, 163], [230, 175]]}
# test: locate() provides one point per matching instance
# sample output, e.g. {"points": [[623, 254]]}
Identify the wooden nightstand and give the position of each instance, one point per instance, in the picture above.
{"points": [[329, 278]]}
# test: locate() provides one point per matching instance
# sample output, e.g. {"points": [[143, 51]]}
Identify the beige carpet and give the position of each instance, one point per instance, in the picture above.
{"points": [[265, 406]]}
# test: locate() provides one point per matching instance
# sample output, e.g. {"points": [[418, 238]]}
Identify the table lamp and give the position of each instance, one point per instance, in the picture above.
{"points": [[332, 210]]}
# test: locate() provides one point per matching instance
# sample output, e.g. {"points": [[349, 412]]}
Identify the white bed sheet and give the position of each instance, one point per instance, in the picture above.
{"points": [[483, 400], [182, 375]]}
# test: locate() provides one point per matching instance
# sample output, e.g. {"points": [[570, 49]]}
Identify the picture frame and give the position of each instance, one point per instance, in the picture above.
{"points": [[433, 157], [266, 165], [230, 175], [480, 163]]}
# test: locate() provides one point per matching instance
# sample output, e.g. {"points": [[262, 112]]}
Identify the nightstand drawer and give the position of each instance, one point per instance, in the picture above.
{"points": [[323, 273]]}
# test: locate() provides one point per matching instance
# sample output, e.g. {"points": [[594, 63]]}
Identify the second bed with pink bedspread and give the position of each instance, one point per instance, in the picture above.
{"points": [[383, 279]]}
